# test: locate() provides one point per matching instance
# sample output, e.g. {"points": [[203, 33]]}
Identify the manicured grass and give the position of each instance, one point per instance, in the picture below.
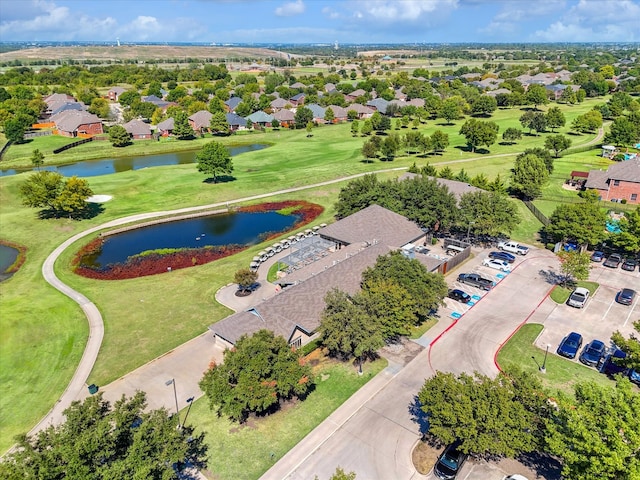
{"points": [[560, 294], [44, 333], [272, 276], [561, 374], [238, 452], [528, 229], [417, 332]]}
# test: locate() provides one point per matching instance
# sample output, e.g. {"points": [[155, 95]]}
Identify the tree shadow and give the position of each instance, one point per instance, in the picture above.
{"points": [[552, 277], [574, 134], [506, 143], [542, 463], [419, 416], [92, 210], [220, 179]]}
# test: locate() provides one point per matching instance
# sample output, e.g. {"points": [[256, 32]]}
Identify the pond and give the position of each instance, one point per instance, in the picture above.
{"points": [[105, 166], [8, 256], [238, 228]]}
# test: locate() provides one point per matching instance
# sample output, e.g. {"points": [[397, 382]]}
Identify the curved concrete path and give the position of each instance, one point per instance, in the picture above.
{"points": [[96, 326]]}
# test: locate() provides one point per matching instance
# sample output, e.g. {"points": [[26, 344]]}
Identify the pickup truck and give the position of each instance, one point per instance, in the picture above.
{"points": [[513, 247], [475, 280]]}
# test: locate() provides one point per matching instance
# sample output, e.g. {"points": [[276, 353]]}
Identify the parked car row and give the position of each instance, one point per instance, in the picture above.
{"points": [[596, 354], [615, 260], [580, 295]]}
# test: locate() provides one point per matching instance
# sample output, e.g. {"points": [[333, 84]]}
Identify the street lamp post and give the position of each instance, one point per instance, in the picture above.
{"points": [[190, 402], [543, 368], [175, 395]]}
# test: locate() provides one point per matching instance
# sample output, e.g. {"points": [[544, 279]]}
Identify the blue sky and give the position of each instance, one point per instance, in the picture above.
{"points": [[321, 21]]}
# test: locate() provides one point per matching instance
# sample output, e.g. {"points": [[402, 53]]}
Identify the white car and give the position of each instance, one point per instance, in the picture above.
{"points": [[497, 264], [578, 298]]}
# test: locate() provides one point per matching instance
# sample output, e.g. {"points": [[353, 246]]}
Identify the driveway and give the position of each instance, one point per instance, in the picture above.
{"points": [[373, 434]]}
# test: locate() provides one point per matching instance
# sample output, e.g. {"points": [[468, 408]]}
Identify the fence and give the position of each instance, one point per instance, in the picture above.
{"points": [[71, 145], [537, 213], [44, 133], [458, 258]]}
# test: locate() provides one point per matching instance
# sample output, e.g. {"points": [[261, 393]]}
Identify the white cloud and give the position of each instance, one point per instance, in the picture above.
{"points": [[391, 11], [592, 21], [290, 9], [330, 13]]}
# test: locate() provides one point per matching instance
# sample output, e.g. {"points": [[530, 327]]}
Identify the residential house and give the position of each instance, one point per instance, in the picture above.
{"points": [[379, 104], [260, 119], [200, 121], [286, 118], [279, 104], [318, 112], [353, 96], [620, 181], [75, 123], [458, 189], [555, 91], [232, 104], [158, 102], [138, 130], [115, 92], [297, 100], [165, 128], [339, 113], [236, 122], [298, 86], [362, 111]]}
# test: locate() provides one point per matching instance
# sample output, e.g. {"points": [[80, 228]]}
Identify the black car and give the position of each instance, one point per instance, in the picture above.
{"points": [[459, 295], [449, 462], [613, 261], [504, 256], [626, 296], [610, 367], [629, 264], [593, 353], [570, 345]]}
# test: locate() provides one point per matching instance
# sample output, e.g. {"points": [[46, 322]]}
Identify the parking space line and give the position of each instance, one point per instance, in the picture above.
{"points": [[630, 313], [608, 309]]}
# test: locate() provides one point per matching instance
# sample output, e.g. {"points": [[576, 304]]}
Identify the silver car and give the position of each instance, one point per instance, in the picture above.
{"points": [[578, 298]]}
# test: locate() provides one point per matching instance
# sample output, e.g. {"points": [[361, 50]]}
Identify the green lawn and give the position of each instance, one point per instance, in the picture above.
{"points": [[561, 373], [247, 451], [44, 333], [560, 294]]}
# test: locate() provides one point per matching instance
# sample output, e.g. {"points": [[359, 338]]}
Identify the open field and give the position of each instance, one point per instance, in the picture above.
{"points": [[145, 317]]}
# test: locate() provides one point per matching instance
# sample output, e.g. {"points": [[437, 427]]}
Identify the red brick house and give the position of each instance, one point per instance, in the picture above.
{"points": [[138, 130], [115, 92], [201, 121], [77, 123], [620, 181]]}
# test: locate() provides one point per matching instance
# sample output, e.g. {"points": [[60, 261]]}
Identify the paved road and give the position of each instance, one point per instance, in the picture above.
{"points": [[374, 434]]}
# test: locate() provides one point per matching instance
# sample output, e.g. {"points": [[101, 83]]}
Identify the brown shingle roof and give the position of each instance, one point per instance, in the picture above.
{"points": [[300, 305], [628, 171], [201, 119], [137, 127], [70, 120], [374, 223]]}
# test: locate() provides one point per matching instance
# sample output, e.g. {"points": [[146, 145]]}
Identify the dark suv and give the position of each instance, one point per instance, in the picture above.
{"points": [[449, 462], [629, 264]]}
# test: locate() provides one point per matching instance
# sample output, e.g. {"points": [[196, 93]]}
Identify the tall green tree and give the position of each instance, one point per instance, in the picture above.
{"points": [[181, 127], [245, 277], [425, 288], [629, 237], [529, 175], [596, 435], [623, 132], [536, 95], [631, 346], [439, 141], [303, 116], [555, 118], [219, 124], [346, 329], [55, 194], [98, 441], [37, 158], [500, 416], [478, 132], [488, 213], [484, 105], [583, 223], [214, 159], [100, 107], [450, 110], [512, 134], [118, 136], [391, 305], [574, 265], [557, 143], [256, 376]]}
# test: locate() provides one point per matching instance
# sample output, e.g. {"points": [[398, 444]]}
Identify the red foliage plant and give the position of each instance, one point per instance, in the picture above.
{"points": [[21, 257], [154, 263]]}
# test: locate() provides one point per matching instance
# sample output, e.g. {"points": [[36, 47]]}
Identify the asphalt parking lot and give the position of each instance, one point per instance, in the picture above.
{"points": [[600, 317]]}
